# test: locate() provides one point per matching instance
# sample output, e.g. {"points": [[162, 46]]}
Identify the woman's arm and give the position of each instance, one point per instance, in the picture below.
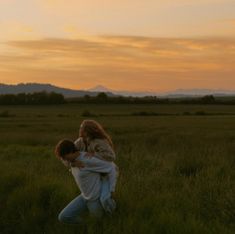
{"points": [[79, 144], [102, 150]]}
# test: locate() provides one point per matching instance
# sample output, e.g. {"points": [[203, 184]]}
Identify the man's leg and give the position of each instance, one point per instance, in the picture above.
{"points": [[73, 211]]}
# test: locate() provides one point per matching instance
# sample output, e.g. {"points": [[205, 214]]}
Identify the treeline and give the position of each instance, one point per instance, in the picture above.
{"points": [[104, 98], [37, 98], [45, 98]]}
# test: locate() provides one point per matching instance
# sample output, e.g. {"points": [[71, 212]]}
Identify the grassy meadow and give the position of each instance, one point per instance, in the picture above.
{"points": [[177, 169]]}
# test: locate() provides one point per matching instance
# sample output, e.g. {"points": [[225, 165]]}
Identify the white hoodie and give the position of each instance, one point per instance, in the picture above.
{"points": [[89, 179]]}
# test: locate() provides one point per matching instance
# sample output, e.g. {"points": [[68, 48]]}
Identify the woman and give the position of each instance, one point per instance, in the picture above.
{"points": [[95, 189], [94, 140]]}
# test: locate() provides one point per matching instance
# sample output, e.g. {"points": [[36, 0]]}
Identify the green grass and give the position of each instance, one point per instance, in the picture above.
{"points": [[176, 172]]}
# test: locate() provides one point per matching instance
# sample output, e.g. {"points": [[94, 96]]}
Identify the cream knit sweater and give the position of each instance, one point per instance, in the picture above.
{"points": [[100, 147]]}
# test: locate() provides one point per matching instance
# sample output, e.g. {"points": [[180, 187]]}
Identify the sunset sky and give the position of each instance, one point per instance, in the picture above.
{"points": [[147, 45]]}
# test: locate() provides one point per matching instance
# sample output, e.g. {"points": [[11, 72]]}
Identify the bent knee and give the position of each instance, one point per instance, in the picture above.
{"points": [[69, 219], [62, 218]]}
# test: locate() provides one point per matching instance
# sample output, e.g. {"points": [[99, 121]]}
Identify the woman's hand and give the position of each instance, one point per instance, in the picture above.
{"points": [[89, 154], [78, 164]]}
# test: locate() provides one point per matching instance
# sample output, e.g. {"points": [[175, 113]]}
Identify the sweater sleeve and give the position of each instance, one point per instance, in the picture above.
{"points": [[103, 150], [79, 144]]}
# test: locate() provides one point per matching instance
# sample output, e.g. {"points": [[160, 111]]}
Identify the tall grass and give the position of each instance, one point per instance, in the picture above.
{"points": [[176, 172]]}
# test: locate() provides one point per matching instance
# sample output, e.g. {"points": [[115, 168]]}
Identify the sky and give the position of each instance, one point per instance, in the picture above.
{"points": [[133, 45]]}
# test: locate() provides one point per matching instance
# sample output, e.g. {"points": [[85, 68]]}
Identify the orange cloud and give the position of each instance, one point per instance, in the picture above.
{"points": [[144, 62]]}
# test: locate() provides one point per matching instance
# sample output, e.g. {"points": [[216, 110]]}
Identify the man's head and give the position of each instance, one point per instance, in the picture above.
{"points": [[64, 147]]}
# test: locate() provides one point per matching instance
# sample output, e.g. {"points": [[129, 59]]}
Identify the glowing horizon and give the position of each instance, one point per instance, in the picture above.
{"points": [[125, 45]]}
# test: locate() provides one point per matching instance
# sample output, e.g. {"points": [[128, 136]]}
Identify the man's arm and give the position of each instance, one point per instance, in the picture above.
{"points": [[100, 166], [70, 159], [66, 163], [95, 164]]}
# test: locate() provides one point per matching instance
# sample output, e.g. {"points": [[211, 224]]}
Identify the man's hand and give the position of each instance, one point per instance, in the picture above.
{"points": [[72, 156], [66, 163], [78, 164]]}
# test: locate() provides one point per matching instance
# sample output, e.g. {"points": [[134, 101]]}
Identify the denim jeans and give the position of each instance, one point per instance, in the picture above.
{"points": [[73, 212], [106, 200]]}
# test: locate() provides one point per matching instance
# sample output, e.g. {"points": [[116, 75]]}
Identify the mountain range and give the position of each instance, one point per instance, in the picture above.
{"points": [[174, 93], [36, 87]]}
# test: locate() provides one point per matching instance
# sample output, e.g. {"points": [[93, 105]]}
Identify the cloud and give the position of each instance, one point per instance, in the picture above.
{"points": [[144, 50], [113, 60]]}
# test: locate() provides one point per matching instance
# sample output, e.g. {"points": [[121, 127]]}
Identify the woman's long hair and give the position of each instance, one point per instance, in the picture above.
{"points": [[94, 130]]}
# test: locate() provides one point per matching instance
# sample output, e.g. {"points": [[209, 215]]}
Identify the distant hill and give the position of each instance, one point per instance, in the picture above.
{"points": [[178, 93], [35, 87], [69, 93]]}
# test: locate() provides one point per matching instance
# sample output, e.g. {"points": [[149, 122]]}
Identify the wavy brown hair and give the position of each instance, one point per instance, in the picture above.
{"points": [[94, 130]]}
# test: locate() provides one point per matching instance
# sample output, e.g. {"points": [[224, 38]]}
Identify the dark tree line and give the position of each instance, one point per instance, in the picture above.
{"points": [[104, 98], [37, 98], [44, 98]]}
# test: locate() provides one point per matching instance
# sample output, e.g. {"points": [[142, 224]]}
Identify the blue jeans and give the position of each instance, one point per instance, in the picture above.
{"points": [[73, 212], [106, 200]]}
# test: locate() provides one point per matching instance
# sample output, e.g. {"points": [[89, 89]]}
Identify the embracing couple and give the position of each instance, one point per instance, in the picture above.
{"points": [[90, 158]]}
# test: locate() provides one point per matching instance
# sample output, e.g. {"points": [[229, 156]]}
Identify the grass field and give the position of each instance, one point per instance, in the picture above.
{"points": [[177, 172]]}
